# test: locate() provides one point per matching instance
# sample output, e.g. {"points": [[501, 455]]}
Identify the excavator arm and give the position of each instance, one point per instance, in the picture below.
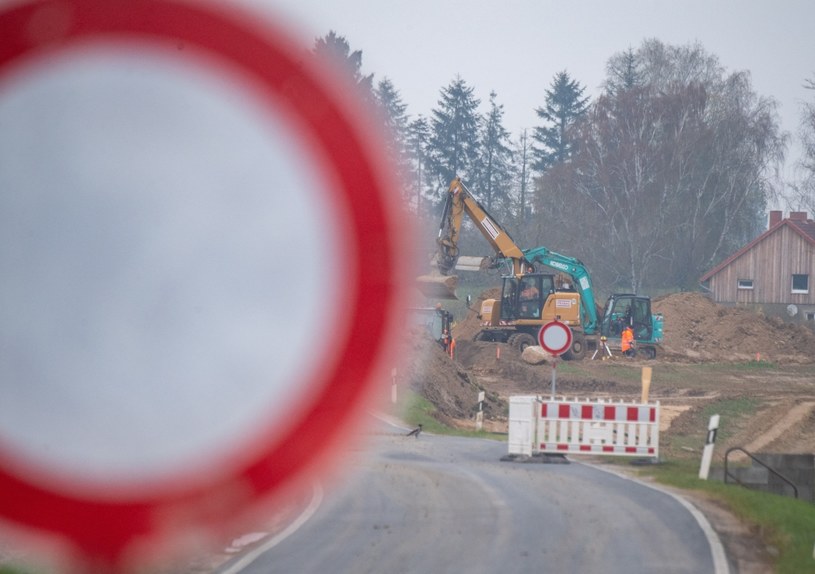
{"points": [[460, 201], [575, 269]]}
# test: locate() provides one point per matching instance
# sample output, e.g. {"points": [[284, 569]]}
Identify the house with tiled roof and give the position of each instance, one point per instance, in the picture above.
{"points": [[775, 271]]}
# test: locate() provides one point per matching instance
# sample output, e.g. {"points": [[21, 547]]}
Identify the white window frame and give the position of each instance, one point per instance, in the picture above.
{"points": [[792, 285], [746, 284]]}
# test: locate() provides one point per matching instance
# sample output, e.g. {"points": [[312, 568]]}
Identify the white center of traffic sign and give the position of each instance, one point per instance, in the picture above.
{"points": [[153, 303], [555, 337]]}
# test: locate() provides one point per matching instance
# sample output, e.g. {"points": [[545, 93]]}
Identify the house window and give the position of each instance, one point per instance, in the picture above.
{"points": [[745, 283], [810, 316], [800, 283]]}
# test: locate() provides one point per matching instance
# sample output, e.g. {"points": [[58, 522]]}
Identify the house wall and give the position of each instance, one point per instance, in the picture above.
{"points": [[770, 264]]}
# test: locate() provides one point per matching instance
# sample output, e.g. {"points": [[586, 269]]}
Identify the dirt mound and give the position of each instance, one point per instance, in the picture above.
{"points": [[696, 328], [467, 329], [444, 382]]}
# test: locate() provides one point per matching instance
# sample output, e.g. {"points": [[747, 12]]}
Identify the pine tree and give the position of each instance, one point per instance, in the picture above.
{"points": [[565, 105], [336, 50], [418, 140], [395, 120], [493, 174], [454, 127], [622, 71]]}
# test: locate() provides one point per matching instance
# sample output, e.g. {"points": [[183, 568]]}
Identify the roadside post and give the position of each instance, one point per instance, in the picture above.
{"points": [[393, 385], [555, 338], [707, 453], [479, 416], [646, 384]]}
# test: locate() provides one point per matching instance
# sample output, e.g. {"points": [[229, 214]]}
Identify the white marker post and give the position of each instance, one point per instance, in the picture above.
{"points": [[707, 454], [479, 416], [393, 386]]}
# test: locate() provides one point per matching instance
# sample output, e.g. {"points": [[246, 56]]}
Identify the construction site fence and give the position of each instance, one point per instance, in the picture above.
{"points": [[539, 425]]}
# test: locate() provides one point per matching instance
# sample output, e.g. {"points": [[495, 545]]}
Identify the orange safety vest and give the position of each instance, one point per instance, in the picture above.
{"points": [[627, 339]]}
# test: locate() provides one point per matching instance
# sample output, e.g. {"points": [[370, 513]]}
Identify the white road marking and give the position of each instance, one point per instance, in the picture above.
{"points": [[718, 555], [249, 557]]}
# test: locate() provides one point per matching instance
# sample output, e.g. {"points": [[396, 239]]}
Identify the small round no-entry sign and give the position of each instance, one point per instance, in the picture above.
{"points": [[184, 334], [555, 337]]}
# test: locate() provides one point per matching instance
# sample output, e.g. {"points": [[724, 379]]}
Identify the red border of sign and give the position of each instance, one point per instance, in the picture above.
{"points": [[558, 324], [104, 528]]}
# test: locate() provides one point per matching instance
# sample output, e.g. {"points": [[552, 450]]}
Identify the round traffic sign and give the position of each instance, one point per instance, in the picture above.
{"points": [[165, 314], [555, 337]]}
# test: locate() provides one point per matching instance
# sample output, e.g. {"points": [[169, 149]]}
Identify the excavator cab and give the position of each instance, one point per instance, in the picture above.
{"points": [[524, 297], [627, 309]]}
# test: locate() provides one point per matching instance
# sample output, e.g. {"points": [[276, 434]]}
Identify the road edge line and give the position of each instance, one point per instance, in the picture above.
{"points": [[251, 556], [721, 565]]}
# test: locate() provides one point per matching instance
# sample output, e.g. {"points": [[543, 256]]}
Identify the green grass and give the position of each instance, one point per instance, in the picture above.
{"points": [[785, 523], [415, 410], [761, 365], [731, 413]]}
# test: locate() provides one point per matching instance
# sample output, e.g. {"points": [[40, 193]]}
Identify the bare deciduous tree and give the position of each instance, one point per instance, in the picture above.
{"points": [[674, 171]]}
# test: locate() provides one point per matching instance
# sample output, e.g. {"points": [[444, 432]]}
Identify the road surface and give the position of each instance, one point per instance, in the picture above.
{"points": [[445, 504]]}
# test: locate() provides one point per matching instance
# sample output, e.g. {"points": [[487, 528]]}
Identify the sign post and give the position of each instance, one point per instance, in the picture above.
{"points": [[555, 338]]}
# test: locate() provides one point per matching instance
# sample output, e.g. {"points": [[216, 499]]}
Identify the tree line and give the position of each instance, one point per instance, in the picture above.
{"points": [[666, 172]]}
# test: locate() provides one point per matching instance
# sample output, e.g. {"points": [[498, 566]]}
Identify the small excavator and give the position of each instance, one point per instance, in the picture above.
{"points": [[530, 298]]}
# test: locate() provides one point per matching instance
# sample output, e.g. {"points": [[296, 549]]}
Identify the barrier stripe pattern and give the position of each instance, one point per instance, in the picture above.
{"points": [[583, 427], [598, 411]]}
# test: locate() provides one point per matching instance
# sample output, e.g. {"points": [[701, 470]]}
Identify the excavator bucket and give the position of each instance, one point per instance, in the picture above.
{"points": [[471, 263], [437, 286]]}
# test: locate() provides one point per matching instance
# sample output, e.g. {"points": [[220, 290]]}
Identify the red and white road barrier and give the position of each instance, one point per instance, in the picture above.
{"points": [[538, 425]]}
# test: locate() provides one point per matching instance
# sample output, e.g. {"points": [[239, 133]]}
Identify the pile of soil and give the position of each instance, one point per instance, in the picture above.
{"points": [[445, 382], [695, 330], [698, 329], [467, 329]]}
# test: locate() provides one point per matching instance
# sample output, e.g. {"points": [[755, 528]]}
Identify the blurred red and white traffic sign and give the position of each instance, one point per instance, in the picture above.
{"points": [[555, 338], [201, 269]]}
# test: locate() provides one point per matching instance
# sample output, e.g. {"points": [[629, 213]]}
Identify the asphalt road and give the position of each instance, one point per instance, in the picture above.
{"points": [[444, 504]]}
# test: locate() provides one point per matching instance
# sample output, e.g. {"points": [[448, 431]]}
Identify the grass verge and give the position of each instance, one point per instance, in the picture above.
{"points": [[415, 410], [786, 524]]}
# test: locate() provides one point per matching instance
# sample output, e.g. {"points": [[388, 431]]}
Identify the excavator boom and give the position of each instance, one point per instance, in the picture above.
{"points": [[459, 202]]}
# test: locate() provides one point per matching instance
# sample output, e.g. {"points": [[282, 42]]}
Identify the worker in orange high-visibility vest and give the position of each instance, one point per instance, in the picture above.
{"points": [[627, 342]]}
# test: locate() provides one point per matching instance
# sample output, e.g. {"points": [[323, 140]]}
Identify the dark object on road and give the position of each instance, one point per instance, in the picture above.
{"points": [[415, 432]]}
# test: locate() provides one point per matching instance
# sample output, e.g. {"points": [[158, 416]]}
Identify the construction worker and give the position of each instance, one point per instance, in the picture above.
{"points": [[446, 323], [627, 345], [530, 304]]}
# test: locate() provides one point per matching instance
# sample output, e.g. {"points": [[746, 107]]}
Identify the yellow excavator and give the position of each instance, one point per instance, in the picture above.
{"points": [[530, 298]]}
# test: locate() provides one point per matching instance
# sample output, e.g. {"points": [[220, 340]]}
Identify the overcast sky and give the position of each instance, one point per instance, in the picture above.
{"points": [[515, 47]]}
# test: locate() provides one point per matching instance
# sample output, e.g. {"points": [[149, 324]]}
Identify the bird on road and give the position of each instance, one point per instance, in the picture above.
{"points": [[415, 432]]}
